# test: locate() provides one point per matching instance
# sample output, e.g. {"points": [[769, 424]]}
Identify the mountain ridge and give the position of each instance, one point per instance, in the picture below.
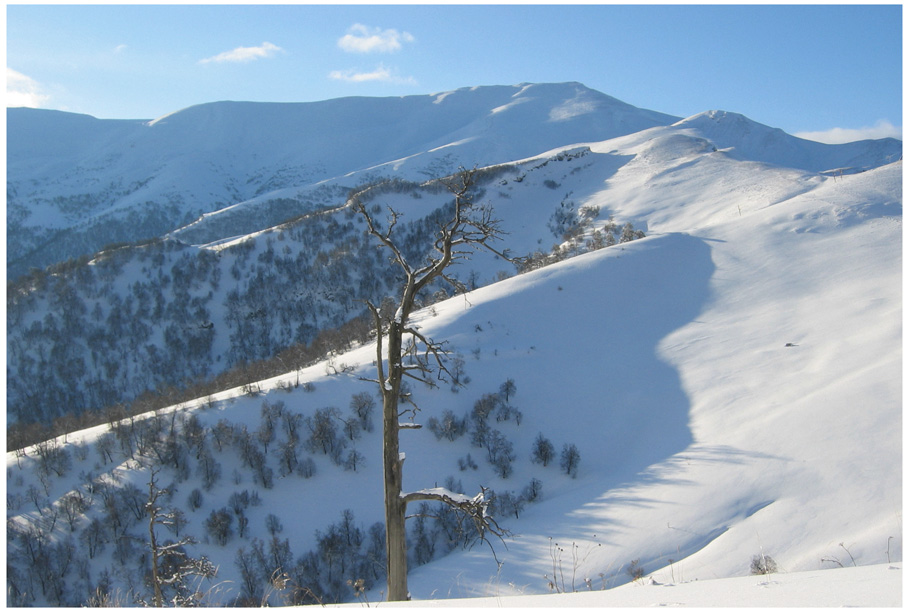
{"points": [[754, 141], [76, 183], [178, 167]]}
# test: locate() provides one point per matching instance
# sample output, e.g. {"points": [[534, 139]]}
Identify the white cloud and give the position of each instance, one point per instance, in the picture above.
{"points": [[882, 129], [23, 91], [380, 74], [363, 39], [119, 49], [244, 54]]}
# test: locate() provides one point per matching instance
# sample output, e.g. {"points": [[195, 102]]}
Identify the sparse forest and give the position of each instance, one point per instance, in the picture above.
{"points": [[143, 326], [150, 529]]}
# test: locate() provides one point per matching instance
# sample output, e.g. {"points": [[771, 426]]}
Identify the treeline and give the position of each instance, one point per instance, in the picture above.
{"points": [[179, 349]]}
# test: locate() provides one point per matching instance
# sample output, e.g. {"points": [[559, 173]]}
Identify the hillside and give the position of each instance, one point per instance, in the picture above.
{"points": [[731, 381], [247, 282]]}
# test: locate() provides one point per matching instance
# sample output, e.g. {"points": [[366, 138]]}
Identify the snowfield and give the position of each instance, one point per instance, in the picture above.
{"points": [[733, 383]]}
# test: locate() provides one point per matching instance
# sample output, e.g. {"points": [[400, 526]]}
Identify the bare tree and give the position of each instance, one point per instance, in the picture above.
{"points": [[543, 451], [403, 351], [570, 459], [170, 565], [74, 507]]}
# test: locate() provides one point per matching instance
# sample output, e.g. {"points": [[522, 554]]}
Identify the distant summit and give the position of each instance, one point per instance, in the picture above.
{"points": [[749, 140]]}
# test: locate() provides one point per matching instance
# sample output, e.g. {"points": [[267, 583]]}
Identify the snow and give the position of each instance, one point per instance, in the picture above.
{"points": [[458, 498], [703, 436], [733, 381], [752, 141], [874, 586]]}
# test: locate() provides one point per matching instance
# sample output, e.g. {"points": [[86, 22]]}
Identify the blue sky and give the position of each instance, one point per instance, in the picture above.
{"points": [[805, 69]]}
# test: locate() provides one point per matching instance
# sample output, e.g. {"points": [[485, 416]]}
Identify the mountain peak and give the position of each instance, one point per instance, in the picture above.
{"points": [[727, 119], [748, 140]]}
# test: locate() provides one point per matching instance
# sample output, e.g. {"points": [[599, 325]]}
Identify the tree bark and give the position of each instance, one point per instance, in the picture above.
{"points": [[395, 507]]}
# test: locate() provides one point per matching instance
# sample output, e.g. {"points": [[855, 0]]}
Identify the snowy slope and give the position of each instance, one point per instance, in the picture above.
{"points": [[779, 454], [732, 381], [766, 447], [704, 439], [864, 587]]}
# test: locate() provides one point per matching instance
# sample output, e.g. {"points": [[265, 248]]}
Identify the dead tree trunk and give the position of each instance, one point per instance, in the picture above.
{"points": [[408, 353], [186, 567]]}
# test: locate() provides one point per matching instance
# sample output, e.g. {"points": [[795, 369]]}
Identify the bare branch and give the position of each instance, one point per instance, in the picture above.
{"points": [[385, 237], [474, 508], [433, 349], [421, 379], [432, 516]]}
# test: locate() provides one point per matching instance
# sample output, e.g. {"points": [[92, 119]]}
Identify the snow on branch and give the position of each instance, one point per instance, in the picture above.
{"points": [[473, 508], [440, 494]]}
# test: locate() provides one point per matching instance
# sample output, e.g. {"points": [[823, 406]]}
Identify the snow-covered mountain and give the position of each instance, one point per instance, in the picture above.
{"points": [[76, 183], [748, 140], [732, 382]]}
